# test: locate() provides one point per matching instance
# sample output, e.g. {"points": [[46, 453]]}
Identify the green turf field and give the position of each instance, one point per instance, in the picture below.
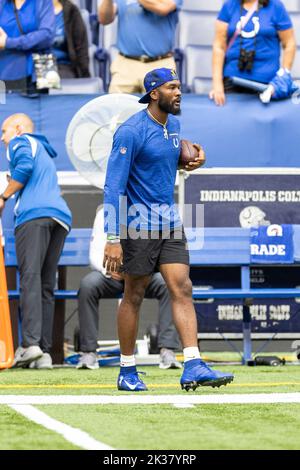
{"points": [[155, 426]]}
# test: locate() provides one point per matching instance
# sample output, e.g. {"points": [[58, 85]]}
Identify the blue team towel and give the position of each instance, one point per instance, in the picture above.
{"points": [[272, 244]]}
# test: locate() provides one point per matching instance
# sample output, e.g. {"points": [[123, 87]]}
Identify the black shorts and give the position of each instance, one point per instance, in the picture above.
{"points": [[143, 256]]}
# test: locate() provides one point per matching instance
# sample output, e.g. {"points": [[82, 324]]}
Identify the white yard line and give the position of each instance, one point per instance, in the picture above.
{"points": [[140, 399], [183, 405], [73, 435]]}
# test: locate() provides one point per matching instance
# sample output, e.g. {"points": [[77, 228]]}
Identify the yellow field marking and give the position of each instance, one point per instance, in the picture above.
{"points": [[109, 386]]}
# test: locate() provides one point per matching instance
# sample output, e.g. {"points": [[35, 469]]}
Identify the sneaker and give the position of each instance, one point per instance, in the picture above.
{"points": [[88, 360], [196, 372], [129, 380], [44, 362], [23, 356], [168, 360]]}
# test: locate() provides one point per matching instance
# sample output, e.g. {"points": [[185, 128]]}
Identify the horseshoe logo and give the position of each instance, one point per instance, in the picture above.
{"points": [[176, 142], [249, 34]]}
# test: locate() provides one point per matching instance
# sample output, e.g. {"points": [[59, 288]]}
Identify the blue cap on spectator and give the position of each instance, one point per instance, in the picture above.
{"points": [[156, 78]]}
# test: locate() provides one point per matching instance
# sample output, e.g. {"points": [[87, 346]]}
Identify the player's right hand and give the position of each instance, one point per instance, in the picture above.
{"points": [[113, 257]]}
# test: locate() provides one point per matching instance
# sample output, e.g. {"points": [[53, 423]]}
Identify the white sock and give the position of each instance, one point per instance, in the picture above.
{"points": [[127, 361], [191, 353]]}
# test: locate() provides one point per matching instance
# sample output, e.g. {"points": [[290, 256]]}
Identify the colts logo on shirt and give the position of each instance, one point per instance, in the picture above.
{"points": [[123, 150], [175, 140], [249, 34]]}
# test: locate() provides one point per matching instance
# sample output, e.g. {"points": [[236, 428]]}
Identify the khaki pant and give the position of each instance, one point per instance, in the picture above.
{"points": [[127, 75]]}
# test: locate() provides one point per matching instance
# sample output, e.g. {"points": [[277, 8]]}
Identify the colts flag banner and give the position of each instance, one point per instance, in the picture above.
{"points": [[272, 244]]}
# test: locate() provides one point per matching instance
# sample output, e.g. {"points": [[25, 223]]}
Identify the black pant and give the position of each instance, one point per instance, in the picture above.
{"points": [[66, 71], [39, 244], [95, 286]]}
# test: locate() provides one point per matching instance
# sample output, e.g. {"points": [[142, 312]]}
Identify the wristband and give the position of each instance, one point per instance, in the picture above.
{"points": [[113, 237], [115, 241]]}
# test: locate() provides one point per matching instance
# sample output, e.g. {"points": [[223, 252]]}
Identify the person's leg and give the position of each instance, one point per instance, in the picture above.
{"points": [[93, 287], [66, 71], [128, 314], [167, 334], [179, 285], [196, 372], [32, 239], [49, 269], [123, 75], [135, 286], [168, 340]]}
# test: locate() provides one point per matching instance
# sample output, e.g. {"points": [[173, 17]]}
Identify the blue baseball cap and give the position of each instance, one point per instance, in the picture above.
{"points": [[155, 79]]}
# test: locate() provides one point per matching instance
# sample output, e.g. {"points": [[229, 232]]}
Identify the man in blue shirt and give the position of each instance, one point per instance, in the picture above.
{"points": [[26, 26], [42, 221], [149, 235], [145, 39]]}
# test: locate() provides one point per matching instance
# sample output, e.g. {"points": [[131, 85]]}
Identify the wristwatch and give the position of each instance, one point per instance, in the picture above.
{"points": [[3, 197]]}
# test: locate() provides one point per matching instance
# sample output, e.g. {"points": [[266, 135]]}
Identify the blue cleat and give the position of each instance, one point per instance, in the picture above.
{"points": [[196, 372], [129, 380]]}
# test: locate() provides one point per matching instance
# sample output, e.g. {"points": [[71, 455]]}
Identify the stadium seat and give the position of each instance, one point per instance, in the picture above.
{"points": [[295, 17], [296, 67], [202, 86], [108, 35], [203, 5], [196, 29], [91, 5], [79, 86], [92, 48], [107, 49], [79, 3], [198, 64], [292, 5]]}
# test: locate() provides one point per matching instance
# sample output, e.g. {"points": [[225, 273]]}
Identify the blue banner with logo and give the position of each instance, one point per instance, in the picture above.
{"points": [[272, 244], [242, 199]]}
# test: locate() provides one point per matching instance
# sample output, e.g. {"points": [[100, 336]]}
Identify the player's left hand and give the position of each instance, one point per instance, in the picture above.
{"points": [[198, 162], [3, 38]]}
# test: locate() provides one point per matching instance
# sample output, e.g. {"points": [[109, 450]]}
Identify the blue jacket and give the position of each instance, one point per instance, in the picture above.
{"points": [[37, 20], [31, 163]]}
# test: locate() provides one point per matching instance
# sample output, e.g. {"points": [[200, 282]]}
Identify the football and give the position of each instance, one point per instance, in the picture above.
{"points": [[188, 153]]}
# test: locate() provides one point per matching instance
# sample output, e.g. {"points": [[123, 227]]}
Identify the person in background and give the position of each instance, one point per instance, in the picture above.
{"points": [[254, 53], [146, 38], [42, 221], [26, 26], [98, 285], [70, 45]]}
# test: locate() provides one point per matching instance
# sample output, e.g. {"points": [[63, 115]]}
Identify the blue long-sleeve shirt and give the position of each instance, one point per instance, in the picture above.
{"points": [[142, 167], [31, 163], [37, 20]]}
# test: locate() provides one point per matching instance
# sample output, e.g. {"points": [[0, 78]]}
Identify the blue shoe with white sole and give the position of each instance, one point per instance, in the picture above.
{"points": [[129, 380], [197, 373]]}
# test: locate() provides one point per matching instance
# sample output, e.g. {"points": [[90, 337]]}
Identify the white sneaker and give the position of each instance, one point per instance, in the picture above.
{"points": [[23, 356], [88, 360], [168, 360], [44, 362]]}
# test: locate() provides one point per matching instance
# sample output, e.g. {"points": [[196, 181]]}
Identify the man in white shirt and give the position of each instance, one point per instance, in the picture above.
{"points": [[98, 285]]}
